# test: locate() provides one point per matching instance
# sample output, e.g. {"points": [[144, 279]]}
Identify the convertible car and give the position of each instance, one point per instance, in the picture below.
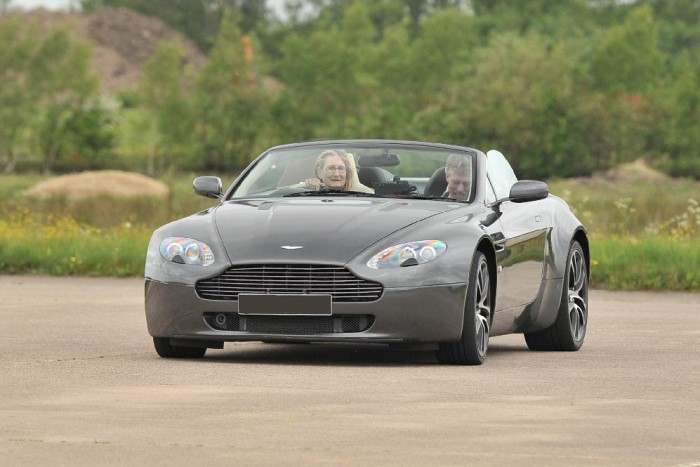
{"points": [[371, 241]]}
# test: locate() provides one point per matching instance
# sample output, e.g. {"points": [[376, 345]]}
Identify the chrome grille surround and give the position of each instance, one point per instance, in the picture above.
{"points": [[282, 279]]}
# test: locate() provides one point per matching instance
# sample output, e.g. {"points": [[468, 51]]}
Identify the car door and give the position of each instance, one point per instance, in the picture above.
{"points": [[520, 247]]}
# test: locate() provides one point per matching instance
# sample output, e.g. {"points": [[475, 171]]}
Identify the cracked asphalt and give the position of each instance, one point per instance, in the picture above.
{"points": [[80, 384]]}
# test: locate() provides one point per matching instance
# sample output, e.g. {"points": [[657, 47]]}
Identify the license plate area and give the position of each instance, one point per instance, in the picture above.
{"points": [[285, 305]]}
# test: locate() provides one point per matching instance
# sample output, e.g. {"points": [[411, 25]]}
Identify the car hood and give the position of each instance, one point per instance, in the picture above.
{"points": [[328, 230]]}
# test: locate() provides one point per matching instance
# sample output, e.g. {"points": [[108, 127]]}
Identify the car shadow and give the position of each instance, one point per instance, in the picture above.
{"points": [[338, 354]]}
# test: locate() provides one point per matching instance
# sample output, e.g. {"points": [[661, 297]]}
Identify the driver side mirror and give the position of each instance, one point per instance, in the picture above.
{"points": [[528, 190], [207, 186]]}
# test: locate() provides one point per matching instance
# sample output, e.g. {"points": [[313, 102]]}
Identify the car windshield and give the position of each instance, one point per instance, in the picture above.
{"points": [[381, 170]]}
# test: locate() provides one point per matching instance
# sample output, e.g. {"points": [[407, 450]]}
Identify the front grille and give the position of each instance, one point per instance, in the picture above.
{"points": [[299, 325], [282, 279]]}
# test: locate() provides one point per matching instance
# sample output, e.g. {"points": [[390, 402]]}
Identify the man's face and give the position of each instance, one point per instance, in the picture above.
{"points": [[458, 184]]}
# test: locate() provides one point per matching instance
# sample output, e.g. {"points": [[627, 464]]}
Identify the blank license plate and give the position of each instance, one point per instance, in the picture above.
{"points": [[259, 304]]}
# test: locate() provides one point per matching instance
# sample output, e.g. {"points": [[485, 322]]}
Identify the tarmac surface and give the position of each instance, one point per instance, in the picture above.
{"points": [[80, 384]]}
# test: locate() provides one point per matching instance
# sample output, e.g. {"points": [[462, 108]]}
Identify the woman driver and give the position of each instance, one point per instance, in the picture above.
{"points": [[332, 171]]}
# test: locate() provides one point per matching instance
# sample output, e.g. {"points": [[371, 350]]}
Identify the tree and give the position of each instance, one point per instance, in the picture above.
{"points": [[163, 92], [230, 108], [680, 103], [16, 105], [628, 58], [46, 83], [60, 80], [523, 96]]}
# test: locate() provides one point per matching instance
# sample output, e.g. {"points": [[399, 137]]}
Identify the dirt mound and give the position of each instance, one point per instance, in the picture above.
{"points": [[100, 183], [127, 39], [637, 171], [123, 40]]}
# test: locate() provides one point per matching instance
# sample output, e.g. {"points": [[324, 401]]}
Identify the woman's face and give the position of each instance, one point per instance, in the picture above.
{"points": [[333, 173]]}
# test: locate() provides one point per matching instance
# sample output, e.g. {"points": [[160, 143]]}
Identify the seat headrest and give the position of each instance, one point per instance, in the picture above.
{"points": [[437, 184], [356, 185]]}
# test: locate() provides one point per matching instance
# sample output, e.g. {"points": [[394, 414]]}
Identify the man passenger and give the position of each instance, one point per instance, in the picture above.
{"points": [[458, 173]]}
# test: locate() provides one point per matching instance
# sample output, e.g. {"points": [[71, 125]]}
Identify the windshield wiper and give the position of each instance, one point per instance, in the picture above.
{"points": [[332, 193]]}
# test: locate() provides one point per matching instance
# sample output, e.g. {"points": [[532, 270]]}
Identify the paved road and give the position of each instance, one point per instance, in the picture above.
{"points": [[81, 385]]}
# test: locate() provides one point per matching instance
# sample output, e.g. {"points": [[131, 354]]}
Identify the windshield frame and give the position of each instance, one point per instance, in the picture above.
{"points": [[476, 157]]}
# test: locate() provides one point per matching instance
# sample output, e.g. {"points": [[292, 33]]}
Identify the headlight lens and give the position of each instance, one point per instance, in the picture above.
{"points": [[408, 254], [183, 250]]}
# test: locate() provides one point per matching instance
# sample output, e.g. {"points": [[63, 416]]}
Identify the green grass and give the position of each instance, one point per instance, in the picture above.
{"points": [[645, 263], [608, 207], [62, 246]]}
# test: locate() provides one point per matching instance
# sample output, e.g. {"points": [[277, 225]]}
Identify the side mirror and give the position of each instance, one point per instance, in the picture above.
{"points": [[528, 190], [207, 186]]}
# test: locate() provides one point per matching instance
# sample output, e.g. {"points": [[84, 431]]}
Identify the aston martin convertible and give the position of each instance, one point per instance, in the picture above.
{"points": [[371, 241]]}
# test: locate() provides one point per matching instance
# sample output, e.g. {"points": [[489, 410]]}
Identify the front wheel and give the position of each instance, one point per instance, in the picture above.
{"points": [[471, 349], [165, 350], [569, 329]]}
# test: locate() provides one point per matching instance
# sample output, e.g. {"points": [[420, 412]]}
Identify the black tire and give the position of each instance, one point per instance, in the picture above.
{"points": [[569, 330], [165, 350], [472, 348]]}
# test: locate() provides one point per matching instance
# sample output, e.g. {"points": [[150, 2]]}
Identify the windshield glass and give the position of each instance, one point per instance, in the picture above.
{"points": [[396, 171]]}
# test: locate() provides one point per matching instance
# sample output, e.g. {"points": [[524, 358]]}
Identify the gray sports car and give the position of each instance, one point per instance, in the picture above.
{"points": [[367, 241]]}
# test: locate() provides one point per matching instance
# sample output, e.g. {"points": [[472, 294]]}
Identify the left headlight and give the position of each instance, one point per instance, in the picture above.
{"points": [[184, 250], [408, 254]]}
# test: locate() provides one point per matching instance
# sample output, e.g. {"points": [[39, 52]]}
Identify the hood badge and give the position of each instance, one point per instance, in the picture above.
{"points": [[292, 247]]}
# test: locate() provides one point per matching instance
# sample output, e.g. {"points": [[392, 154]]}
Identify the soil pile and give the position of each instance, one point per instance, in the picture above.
{"points": [[637, 171], [122, 39], [113, 183]]}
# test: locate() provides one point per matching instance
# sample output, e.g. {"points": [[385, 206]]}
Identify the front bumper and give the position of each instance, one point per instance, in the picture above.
{"points": [[420, 314]]}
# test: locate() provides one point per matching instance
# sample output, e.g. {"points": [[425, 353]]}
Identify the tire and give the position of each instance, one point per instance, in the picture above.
{"points": [[165, 350], [569, 329], [472, 348]]}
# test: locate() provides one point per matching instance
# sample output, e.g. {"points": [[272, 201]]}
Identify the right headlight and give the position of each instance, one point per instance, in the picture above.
{"points": [[184, 250], [408, 254]]}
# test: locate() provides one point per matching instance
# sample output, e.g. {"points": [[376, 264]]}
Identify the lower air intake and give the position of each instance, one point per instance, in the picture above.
{"points": [[295, 325]]}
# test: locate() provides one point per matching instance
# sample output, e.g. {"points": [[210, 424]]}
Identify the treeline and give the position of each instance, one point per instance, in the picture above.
{"points": [[563, 87]]}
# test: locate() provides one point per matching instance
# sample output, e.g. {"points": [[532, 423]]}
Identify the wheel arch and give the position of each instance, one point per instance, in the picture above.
{"points": [[485, 246], [581, 237]]}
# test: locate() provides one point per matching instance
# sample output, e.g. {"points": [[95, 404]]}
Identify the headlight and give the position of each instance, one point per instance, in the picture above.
{"points": [[186, 251], [408, 254]]}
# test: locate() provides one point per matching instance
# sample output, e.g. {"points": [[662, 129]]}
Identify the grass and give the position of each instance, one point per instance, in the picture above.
{"points": [[645, 263], [644, 236], [608, 207], [30, 243]]}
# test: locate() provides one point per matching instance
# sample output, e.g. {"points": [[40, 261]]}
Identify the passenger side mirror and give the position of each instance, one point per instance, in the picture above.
{"points": [[528, 190], [207, 186]]}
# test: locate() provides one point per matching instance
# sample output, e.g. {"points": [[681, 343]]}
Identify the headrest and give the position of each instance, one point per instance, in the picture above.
{"points": [[437, 184], [355, 185]]}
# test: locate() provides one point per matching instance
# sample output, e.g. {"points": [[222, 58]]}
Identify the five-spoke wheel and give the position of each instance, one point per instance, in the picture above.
{"points": [[471, 349], [569, 329]]}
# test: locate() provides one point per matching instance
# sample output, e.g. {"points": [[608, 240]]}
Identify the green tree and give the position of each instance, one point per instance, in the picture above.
{"points": [[680, 133], [628, 58], [525, 97], [16, 105], [61, 83], [163, 91], [230, 108]]}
